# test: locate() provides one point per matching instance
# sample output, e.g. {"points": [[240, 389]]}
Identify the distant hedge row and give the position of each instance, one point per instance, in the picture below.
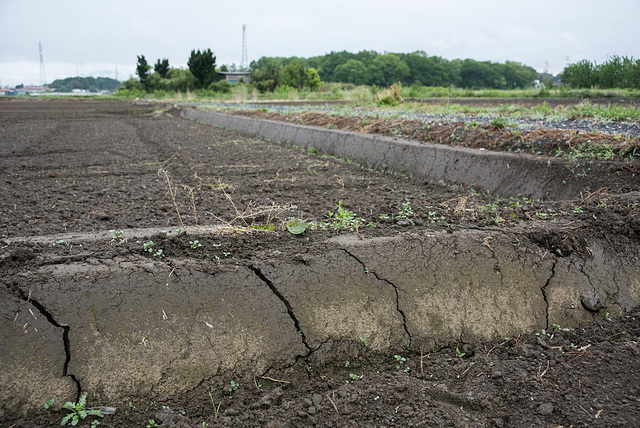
{"points": [[618, 72]]}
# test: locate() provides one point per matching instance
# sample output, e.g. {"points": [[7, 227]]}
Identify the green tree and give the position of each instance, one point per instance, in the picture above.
{"points": [[387, 69], [582, 74], [162, 68], [203, 66], [142, 70], [352, 71]]}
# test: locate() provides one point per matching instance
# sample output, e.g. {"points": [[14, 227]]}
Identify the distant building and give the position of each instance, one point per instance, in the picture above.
{"points": [[235, 76], [5, 91], [32, 90]]}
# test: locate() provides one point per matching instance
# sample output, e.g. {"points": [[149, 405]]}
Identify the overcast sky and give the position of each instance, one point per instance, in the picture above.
{"points": [[94, 38]]}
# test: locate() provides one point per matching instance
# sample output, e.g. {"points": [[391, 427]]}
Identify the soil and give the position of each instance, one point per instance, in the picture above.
{"points": [[105, 171]]}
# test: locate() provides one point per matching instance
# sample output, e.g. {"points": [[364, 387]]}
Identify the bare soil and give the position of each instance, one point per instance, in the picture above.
{"points": [[101, 172]]}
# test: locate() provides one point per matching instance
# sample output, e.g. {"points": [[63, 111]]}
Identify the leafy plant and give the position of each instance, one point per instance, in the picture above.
{"points": [[148, 246], [78, 411], [459, 353], [195, 244], [296, 226], [233, 386], [116, 234], [400, 360], [152, 423]]}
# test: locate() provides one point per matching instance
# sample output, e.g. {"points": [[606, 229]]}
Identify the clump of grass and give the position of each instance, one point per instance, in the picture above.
{"points": [[391, 96]]}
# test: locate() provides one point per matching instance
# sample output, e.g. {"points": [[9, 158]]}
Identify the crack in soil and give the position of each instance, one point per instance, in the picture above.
{"points": [[19, 293], [395, 288], [258, 272], [544, 292]]}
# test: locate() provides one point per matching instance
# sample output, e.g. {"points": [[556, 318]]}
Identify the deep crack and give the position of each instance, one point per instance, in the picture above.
{"points": [[287, 305], [544, 292], [395, 288], [65, 333]]}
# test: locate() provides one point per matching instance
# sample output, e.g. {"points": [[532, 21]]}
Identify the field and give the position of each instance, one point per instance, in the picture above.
{"points": [[190, 275]]}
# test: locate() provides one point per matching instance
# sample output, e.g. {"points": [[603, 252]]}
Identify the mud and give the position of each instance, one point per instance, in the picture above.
{"points": [[399, 324]]}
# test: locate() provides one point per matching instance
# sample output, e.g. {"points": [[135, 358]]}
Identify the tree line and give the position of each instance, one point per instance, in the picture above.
{"points": [[617, 72], [416, 68], [92, 84], [375, 69]]}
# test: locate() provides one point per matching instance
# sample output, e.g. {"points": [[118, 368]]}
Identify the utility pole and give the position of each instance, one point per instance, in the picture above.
{"points": [[43, 78], [244, 62]]}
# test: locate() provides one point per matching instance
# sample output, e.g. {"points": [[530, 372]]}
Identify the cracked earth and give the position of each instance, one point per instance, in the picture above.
{"points": [[468, 309]]}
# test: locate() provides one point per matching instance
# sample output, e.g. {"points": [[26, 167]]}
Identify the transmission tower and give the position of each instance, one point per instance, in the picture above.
{"points": [[244, 62], [43, 78]]}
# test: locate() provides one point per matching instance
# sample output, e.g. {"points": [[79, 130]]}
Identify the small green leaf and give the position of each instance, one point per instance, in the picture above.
{"points": [[296, 226]]}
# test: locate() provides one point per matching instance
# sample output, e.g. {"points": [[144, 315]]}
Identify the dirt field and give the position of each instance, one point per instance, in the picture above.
{"points": [[68, 181]]}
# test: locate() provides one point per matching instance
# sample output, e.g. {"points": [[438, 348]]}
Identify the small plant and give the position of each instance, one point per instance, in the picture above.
{"points": [[460, 354], [148, 247], [78, 411], [498, 123], [233, 387], [195, 244], [116, 234], [216, 409], [400, 360], [49, 404], [406, 212], [159, 254], [152, 423], [346, 364], [296, 226], [363, 341], [354, 376]]}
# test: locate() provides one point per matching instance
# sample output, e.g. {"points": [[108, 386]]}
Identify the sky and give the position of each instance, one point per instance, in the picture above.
{"points": [[99, 38]]}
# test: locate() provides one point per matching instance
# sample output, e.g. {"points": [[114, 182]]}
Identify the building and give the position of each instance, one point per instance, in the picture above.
{"points": [[236, 76]]}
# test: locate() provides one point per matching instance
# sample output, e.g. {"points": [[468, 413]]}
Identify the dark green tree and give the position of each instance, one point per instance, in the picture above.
{"points": [[162, 68], [352, 71], [142, 70], [203, 66]]}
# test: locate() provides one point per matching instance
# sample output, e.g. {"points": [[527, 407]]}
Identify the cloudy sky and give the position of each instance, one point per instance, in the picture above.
{"points": [[94, 38]]}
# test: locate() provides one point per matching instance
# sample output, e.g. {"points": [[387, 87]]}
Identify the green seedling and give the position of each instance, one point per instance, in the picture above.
{"points": [[233, 387], [216, 409], [363, 341], [48, 405], [400, 360], [78, 411], [148, 247], [460, 354], [195, 244], [116, 234], [152, 423]]}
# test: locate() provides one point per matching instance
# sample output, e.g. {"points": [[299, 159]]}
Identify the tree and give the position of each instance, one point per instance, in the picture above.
{"points": [[387, 69], [142, 70], [162, 68], [352, 71], [203, 67]]}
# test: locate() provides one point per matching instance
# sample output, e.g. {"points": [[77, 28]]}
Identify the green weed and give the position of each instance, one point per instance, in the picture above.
{"points": [[78, 411]]}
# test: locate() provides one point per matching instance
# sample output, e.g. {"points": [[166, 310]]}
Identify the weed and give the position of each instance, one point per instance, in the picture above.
{"points": [[577, 210], [460, 354], [49, 403], [296, 226], [216, 409], [116, 234], [384, 216], [498, 123], [152, 423], [172, 193], [406, 212], [363, 341], [233, 387], [330, 126], [346, 364], [148, 247], [400, 360], [78, 411], [354, 376], [195, 244]]}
